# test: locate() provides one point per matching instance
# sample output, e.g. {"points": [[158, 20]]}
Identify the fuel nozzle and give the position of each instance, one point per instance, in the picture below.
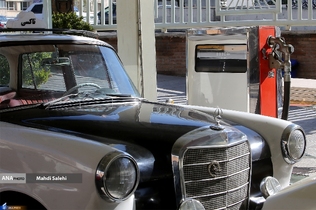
{"points": [[281, 58], [280, 61]]}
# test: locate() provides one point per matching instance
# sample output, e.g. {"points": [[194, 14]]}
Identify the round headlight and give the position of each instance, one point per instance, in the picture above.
{"points": [[117, 177], [293, 144]]}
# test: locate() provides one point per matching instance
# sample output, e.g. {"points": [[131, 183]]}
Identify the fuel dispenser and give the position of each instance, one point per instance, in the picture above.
{"points": [[239, 68]]}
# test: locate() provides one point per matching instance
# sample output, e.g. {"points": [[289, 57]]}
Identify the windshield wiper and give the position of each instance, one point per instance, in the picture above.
{"points": [[69, 96]]}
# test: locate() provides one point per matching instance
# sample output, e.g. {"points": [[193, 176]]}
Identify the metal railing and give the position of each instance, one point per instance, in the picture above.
{"points": [[183, 14]]}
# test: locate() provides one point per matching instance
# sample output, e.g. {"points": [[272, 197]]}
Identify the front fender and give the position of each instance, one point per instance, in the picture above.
{"points": [[300, 195], [30, 151]]}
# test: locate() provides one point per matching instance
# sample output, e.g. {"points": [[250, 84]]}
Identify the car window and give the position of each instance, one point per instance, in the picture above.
{"points": [[37, 9], [40, 70], [35, 75], [50, 72], [4, 71]]}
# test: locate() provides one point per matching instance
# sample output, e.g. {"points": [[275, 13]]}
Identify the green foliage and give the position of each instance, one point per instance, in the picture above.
{"points": [[70, 21], [4, 71], [32, 68]]}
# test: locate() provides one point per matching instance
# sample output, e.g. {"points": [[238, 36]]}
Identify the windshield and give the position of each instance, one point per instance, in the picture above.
{"points": [[49, 72]]}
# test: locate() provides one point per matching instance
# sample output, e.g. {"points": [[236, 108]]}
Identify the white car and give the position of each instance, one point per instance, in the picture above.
{"points": [[3, 21], [75, 134], [37, 9]]}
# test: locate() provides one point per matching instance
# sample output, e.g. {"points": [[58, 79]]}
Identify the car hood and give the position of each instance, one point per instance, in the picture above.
{"points": [[145, 130]]}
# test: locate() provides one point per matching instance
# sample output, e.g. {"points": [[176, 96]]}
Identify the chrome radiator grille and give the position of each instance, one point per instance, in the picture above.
{"points": [[217, 177]]}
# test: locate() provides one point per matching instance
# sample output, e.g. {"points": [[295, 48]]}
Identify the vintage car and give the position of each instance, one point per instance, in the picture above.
{"points": [[76, 134]]}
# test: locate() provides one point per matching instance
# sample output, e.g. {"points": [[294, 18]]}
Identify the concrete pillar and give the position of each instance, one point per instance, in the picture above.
{"points": [[47, 13], [136, 43]]}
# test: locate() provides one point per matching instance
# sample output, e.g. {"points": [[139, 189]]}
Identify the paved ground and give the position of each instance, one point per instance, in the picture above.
{"points": [[302, 112], [303, 91]]}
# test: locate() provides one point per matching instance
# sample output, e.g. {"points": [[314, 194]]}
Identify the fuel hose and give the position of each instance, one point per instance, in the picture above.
{"points": [[287, 49], [286, 100]]}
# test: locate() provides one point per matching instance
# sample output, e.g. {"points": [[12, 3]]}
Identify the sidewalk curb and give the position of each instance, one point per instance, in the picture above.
{"points": [[303, 96]]}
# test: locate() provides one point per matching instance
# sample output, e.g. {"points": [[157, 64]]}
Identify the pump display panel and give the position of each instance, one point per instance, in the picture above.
{"points": [[231, 58]]}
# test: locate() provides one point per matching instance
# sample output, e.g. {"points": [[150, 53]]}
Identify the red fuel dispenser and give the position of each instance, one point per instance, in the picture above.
{"points": [[275, 56], [239, 68]]}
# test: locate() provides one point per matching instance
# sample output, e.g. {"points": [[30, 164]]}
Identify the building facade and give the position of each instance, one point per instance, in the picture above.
{"points": [[10, 8]]}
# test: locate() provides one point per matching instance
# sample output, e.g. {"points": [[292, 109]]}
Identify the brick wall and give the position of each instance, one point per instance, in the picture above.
{"points": [[304, 52], [171, 52]]}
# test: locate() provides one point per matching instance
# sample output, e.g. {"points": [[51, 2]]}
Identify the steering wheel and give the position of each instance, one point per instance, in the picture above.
{"points": [[80, 86]]}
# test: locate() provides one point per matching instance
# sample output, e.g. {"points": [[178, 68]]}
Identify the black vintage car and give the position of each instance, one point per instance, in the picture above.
{"points": [[76, 134]]}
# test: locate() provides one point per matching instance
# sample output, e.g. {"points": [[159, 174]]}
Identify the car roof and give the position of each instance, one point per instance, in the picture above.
{"points": [[15, 38]]}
